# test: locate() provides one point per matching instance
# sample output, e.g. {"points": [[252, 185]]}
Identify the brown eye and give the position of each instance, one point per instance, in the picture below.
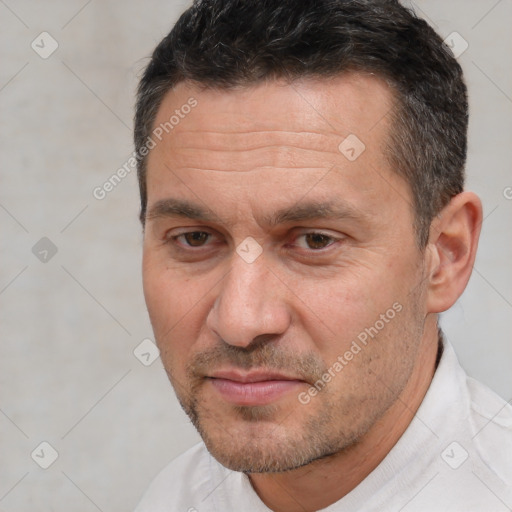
{"points": [[317, 240], [195, 238]]}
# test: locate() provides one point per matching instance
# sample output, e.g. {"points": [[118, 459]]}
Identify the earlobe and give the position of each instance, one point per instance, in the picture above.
{"points": [[452, 244]]}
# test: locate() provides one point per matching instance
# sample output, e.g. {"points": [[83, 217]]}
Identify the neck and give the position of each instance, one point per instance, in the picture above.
{"points": [[325, 481]]}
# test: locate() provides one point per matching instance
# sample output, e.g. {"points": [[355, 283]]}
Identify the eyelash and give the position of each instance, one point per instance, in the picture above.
{"points": [[175, 239]]}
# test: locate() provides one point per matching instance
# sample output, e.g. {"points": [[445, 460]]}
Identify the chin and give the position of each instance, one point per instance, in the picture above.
{"points": [[255, 457], [270, 447]]}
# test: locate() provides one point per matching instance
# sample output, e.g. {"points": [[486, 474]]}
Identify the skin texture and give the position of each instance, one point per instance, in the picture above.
{"points": [[242, 155]]}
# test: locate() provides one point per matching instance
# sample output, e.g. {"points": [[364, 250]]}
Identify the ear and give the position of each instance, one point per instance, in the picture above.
{"points": [[452, 246]]}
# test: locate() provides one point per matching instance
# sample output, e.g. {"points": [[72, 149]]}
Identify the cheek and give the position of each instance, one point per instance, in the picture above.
{"points": [[166, 297], [165, 310], [340, 307], [177, 306], [337, 312], [163, 286]]}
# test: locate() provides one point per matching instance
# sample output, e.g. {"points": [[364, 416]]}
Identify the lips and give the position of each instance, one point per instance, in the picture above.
{"points": [[256, 387]]}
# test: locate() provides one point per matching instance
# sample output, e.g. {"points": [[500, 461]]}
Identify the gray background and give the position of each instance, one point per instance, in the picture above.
{"points": [[69, 325]]}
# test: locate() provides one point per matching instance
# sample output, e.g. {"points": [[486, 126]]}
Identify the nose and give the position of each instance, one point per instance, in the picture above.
{"points": [[251, 303]]}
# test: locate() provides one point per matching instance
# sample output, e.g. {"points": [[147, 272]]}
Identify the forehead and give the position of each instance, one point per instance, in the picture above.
{"points": [[349, 103], [272, 143], [277, 125]]}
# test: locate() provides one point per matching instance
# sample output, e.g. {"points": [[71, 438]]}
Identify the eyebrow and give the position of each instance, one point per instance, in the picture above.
{"points": [[306, 210]]}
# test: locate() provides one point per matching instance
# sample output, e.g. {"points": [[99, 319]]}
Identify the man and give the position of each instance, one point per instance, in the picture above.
{"points": [[305, 222]]}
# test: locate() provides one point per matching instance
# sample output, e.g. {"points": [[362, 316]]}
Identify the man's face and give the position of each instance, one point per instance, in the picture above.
{"points": [[245, 335]]}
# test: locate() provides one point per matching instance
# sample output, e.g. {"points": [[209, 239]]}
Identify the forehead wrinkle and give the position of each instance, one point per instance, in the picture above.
{"points": [[277, 156], [195, 149], [254, 139], [254, 169]]}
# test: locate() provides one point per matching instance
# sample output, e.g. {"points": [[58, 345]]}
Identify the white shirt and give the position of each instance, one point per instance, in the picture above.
{"points": [[456, 455]]}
